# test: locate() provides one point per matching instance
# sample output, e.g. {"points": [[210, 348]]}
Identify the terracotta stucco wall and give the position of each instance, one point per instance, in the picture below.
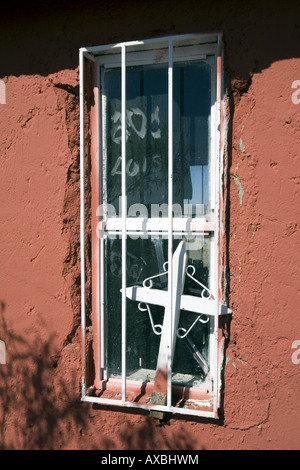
{"points": [[40, 404]]}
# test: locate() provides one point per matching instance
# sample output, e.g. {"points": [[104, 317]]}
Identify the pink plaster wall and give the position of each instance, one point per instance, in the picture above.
{"points": [[40, 405]]}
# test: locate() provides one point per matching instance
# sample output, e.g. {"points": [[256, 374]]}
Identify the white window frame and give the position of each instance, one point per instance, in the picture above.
{"points": [[146, 52]]}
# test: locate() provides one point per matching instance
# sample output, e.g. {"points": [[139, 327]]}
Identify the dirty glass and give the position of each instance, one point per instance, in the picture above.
{"points": [[147, 184], [147, 135], [145, 258]]}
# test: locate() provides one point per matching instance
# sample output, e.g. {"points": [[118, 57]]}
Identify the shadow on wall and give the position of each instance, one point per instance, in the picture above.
{"points": [[41, 409], [46, 36], [137, 430], [145, 438], [36, 410]]}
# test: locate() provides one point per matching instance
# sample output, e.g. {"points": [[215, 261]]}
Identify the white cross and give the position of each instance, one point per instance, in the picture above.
{"points": [[180, 301]]}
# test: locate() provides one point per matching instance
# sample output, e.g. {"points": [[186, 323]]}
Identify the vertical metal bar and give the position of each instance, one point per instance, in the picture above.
{"points": [[82, 218], [218, 69], [124, 212], [213, 346], [170, 213], [103, 371]]}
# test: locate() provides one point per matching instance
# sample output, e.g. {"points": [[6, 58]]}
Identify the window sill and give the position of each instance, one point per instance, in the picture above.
{"points": [[139, 393]]}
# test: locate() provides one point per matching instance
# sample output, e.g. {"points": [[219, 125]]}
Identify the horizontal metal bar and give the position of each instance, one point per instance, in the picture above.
{"points": [[166, 409], [186, 37], [107, 47], [158, 56]]}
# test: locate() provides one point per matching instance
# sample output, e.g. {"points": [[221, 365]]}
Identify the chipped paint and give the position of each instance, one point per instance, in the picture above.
{"points": [[242, 146], [240, 187], [241, 360], [253, 229]]}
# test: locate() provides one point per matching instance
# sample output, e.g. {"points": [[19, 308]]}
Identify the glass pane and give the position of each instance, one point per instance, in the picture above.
{"points": [[192, 104], [145, 258], [147, 136]]}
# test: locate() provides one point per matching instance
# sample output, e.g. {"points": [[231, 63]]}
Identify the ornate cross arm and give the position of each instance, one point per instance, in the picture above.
{"points": [[190, 303]]}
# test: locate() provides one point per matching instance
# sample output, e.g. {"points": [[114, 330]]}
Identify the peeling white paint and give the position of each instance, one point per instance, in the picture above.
{"points": [[240, 187]]}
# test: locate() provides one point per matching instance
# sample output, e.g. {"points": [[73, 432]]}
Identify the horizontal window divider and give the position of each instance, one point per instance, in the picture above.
{"points": [[155, 234], [141, 224]]}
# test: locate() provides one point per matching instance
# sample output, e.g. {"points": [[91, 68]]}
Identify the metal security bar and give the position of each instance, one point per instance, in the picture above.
{"points": [[210, 44], [124, 212], [170, 201], [82, 218]]}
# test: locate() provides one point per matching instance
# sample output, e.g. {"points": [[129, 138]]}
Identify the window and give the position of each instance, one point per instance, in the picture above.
{"points": [[154, 124]]}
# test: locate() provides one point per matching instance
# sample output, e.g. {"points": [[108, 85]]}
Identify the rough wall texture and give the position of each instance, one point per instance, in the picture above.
{"points": [[40, 404]]}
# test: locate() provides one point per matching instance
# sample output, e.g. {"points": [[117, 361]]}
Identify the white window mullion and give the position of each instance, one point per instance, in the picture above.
{"points": [[153, 225], [124, 212]]}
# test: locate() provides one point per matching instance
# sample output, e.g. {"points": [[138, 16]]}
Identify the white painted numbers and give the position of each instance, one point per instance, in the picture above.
{"points": [[296, 94], [135, 120], [2, 92], [136, 124], [296, 354], [134, 168], [2, 352]]}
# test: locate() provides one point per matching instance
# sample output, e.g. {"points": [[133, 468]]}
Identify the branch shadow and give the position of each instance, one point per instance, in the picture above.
{"points": [[36, 408], [148, 433]]}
